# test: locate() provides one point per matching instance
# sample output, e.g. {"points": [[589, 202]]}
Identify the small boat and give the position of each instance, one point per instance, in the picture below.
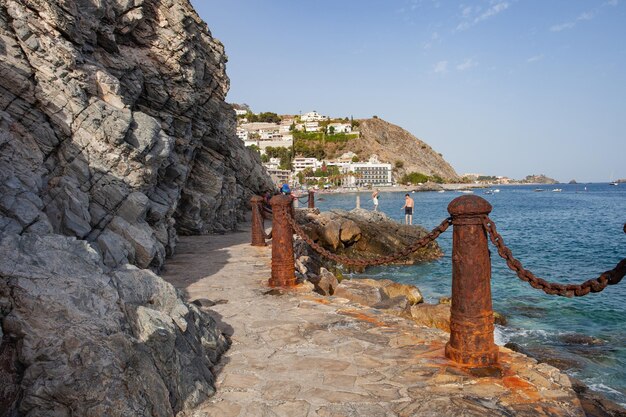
{"points": [[557, 190], [614, 183], [489, 192], [539, 189], [466, 191], [496, 190], [441, 191]]}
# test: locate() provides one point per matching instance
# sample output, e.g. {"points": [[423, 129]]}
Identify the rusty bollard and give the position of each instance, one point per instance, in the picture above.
{"points": [[471, 317], [257, 221], [311, 199], [283, 269]]}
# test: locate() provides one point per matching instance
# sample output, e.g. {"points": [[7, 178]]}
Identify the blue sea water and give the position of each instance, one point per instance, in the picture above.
{"points": [[566, 237]]}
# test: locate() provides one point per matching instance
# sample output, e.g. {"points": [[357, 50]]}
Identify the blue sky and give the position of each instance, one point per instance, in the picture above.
{"points": [[499, 87]]}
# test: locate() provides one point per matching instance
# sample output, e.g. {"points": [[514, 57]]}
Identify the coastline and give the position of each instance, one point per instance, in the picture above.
{"points": [[528, 309]]}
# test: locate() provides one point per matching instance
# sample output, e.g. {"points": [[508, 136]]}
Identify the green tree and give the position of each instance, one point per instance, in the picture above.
{"points": [[355, 158], [414, 178]]}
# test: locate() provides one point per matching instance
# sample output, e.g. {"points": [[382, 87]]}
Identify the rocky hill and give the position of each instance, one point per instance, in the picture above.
{"points": [[114, 138], [538, 179], [392, 143]]}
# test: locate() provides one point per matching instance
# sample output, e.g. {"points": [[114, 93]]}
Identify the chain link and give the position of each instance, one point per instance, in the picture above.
{"points": [[434, 234], [612, 277]]}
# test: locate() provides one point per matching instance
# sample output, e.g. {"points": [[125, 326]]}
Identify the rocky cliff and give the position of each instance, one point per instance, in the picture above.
{"points": [[392, 143], [114, 138]]}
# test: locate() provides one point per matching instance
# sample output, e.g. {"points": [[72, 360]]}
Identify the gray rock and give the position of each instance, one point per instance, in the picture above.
{"points": [[113, 130], [129, 330]]}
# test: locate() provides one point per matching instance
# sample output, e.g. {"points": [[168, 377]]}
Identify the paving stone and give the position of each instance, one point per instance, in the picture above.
{"points": [[301, 354]]}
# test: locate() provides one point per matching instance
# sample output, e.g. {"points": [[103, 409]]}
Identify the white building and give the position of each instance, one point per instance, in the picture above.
{"points": [[340, 127], [372, 173], [312, 116], [311, 126], [241, 112], [300, 164], [279, 176]]}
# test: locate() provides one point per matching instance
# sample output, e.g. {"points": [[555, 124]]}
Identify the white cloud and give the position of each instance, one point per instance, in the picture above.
{"points": [[569, 25], [467, 64], [611, 3], [535, 58], [433, 39], [441, 67], [474, 15]]}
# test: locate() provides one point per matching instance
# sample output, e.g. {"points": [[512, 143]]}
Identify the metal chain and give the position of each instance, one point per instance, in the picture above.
{"points": [[434, 234], [612, 277]]}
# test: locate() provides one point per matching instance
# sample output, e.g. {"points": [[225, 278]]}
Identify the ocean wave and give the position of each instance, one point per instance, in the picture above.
{"points": [[507, 334]]}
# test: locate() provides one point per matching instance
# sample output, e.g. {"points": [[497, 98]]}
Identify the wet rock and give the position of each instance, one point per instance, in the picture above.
{"points": [[580, 339], [499, 318]]}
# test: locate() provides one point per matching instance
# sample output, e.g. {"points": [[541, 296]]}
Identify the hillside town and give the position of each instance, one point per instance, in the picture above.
{"points": [[273, 138], [277, 138]]}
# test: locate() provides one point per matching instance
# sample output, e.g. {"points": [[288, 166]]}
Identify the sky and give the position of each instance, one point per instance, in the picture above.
{"points": [[499, 87]]}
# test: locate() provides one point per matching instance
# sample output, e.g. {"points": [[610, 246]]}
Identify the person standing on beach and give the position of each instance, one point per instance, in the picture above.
{"points": [[375, 199], [408, 209]]}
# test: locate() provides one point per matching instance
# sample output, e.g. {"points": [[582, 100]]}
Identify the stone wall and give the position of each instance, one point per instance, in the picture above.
{"points": [[114, 138]]}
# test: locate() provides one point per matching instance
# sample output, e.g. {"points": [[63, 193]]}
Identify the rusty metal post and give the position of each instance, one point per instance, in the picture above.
{"points": [[471, 317], [311, 199], [283, 268], [257, 221]]}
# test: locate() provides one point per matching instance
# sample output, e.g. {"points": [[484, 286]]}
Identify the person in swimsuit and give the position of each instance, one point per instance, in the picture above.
{"points": [[408, 209], [375, 199]]}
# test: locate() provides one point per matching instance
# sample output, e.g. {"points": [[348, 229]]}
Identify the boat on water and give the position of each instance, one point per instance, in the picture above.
{"points": [[614, 183], [441, 191], [466, 191], [539, 189], [488, 192], [557, 190]]}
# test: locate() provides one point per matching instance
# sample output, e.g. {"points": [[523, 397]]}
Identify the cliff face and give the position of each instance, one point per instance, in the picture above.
{"points": [[114, 137], [392, 143]]}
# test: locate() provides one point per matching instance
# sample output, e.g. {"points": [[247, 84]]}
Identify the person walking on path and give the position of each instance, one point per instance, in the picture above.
{"points": [[408, 209], [375, 199]]}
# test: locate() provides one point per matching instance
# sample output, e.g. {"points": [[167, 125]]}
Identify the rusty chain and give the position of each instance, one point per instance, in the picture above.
{"points": [[612, 277], [434, 234]]}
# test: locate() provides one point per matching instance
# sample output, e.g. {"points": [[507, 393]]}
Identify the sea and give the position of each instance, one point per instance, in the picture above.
{"points": [[565, 236]]}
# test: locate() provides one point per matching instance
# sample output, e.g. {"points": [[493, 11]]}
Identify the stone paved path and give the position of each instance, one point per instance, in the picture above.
{"points": [[297, 354]]}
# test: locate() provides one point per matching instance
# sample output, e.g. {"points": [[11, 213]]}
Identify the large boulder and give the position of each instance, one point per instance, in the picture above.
{"points": [[366, 235], [74, 323]]}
